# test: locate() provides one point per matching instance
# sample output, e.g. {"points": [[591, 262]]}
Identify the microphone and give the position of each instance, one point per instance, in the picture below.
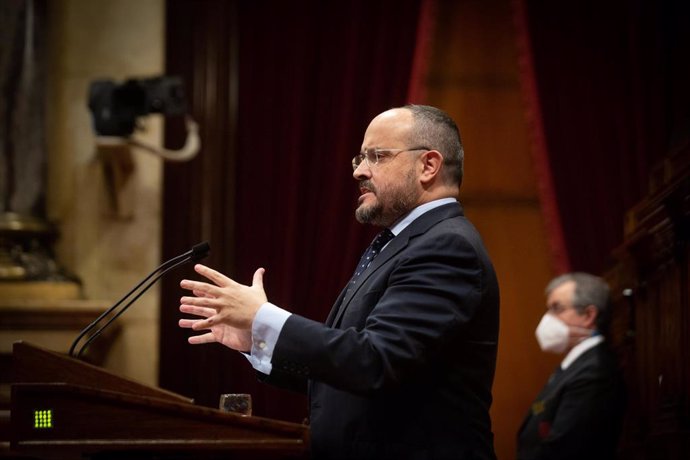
{"points": [[198, 252]]}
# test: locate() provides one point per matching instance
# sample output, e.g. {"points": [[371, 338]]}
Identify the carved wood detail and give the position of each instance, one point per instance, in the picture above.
{"points": [[651, 316]]}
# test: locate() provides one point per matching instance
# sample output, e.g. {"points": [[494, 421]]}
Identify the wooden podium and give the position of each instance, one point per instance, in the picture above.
{"points": [[63, 408]]}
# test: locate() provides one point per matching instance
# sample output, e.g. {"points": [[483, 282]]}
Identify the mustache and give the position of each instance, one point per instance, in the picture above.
{"points": [[367, 185]]}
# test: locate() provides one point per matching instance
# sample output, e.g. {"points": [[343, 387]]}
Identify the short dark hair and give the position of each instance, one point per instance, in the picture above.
{"points": [[589, 290], [435, 129]]}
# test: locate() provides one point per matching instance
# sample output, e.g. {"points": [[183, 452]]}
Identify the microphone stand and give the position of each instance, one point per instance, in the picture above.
{"points": [[198, 252]]}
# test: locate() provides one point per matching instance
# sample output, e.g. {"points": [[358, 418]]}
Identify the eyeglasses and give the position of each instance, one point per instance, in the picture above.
{"points": [[373, 156], [558, 308]]}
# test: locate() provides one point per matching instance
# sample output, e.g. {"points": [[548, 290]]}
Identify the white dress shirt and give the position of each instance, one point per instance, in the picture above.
{"points": [[580, 348]]}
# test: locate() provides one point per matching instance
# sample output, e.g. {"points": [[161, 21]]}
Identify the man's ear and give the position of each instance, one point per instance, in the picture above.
{"points": [[432, 162], [591, 313]]}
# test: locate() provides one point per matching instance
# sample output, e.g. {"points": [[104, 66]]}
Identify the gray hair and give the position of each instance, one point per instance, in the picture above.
{"points": [[435, 129], [589, 290]]}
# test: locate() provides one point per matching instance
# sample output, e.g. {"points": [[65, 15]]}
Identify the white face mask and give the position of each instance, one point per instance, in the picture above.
{"points": [[552, 334]]}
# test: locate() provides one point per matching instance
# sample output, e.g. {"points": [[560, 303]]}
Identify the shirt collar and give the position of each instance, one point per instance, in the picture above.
{"points": [[589, 342], [406, 220]]}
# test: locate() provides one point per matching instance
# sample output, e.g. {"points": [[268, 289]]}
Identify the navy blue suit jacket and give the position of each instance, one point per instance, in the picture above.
{"points": [[404, 365]]}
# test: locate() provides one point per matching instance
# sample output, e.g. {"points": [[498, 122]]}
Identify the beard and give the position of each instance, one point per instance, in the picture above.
{"points": [[391, 203]]}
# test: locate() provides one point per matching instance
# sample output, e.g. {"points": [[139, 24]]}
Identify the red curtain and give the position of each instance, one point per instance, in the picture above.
{"points": [[606, 92], [311, 76]]}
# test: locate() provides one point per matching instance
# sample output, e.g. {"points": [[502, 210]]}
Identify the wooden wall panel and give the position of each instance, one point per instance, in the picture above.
{"points": [[515, 237], [498, 160], [652, 324]]}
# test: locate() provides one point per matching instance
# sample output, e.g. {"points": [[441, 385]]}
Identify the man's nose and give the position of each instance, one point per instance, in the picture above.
{"points": [[362, 171]]}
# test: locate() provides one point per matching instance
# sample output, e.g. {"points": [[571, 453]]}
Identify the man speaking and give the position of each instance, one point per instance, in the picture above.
{"points": [[403, 366]]}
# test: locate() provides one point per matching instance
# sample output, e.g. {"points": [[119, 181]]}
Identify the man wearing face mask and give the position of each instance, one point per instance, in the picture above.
{"points": [[579, 412]]}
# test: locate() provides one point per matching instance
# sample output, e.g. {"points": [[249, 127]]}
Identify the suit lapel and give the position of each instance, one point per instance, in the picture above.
{"points": [[397, 244], [555, 382], [336, 306], [539, 405]]}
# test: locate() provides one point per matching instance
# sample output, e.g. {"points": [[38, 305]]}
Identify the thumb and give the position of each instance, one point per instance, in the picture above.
{"points": [[258, 280]]}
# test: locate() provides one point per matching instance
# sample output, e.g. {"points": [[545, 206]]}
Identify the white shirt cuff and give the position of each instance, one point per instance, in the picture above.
{"points": [[268, 323]]}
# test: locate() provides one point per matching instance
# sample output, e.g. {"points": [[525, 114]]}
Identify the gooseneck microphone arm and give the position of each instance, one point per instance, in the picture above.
{"points": [[198, 252], [127, 305]]}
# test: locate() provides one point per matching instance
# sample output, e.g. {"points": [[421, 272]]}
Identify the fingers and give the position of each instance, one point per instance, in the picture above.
{"points": [[201, 324], [258, 280], [198, 311], [199, 288], [225, 303], [217, 277], [202, 294], [186, 323], [197, 324], [206, 302], [203, 338]]}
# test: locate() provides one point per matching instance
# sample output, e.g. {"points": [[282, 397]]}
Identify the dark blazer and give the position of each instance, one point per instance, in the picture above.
{"points": [[579, 413], [404, 365]]}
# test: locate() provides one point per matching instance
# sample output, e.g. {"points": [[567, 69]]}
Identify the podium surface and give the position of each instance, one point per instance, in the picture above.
{"points": [[63, 408]]}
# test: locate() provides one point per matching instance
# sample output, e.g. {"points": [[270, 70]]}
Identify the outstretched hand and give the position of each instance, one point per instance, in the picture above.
{"points": [[227, 308], [229, 336]]}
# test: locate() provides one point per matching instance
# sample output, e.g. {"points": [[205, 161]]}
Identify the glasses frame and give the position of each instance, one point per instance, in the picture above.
{"points": [[379, 153], [558, 309]]}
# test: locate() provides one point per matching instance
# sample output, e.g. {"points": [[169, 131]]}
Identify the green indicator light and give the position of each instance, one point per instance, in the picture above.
{"points": [[43, 418]]}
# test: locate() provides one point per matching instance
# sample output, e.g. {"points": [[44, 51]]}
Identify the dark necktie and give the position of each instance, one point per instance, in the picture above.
{"points": [[372, 251], [556, 373]]}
